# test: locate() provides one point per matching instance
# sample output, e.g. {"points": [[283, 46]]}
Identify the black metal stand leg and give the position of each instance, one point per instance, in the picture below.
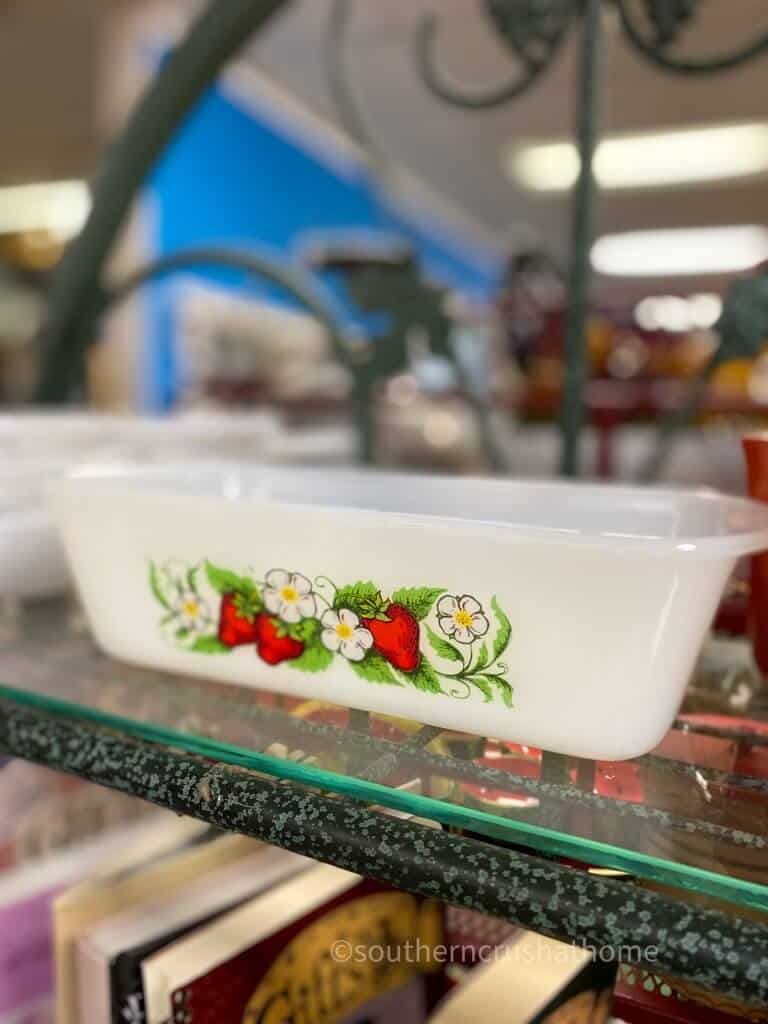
{"points": [[572, 416]]}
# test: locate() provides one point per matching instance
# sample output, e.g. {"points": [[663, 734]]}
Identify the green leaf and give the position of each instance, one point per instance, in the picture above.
{"points": [[157, 590], [192, 578], [424, 677], [442, 647], [248, 606], [223, 581], [357, 597], [374, 669], [504, 631], [209, 645], [308, 631], [417, 600], [374, 608], [483, 685], [315, 658], [504, 687], [482, 659]]}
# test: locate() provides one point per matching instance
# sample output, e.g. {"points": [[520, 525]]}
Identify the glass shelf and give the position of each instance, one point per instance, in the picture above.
{"points": [[693, 815]]}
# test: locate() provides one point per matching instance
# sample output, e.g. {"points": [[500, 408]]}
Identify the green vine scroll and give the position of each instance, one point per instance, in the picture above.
{"points": [[423, 637]]}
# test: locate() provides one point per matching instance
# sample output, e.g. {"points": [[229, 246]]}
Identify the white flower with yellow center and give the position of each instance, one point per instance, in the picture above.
{"points": [[289, 596], [342, 632], [192, 613], [461, 618]]}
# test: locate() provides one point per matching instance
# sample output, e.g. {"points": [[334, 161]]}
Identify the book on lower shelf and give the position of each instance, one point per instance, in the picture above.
{"points": [[156, 858], [533, 980], [169, 923], [109, 954], [27, 895], [318, 948]]}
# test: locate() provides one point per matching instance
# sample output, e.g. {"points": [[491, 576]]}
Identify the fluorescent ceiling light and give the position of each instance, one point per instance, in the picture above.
{"points": [[674, 313], [681, 251], [648, 159], [705, 309], [58, 207]]}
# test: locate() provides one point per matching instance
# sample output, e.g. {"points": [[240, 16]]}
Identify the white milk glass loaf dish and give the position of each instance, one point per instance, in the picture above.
{"points": [[565, 616]]}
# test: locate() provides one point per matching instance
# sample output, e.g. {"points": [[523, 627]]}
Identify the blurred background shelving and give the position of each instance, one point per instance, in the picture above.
{"points": [[482, 226]]}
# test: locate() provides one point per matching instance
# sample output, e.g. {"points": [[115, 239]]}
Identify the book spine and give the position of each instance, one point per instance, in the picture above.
{"points": [[26, 958], [181, 1010]]}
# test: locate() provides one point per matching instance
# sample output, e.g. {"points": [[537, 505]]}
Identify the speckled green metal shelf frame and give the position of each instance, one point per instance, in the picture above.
{"points": [[687, 942], [378, 758]]}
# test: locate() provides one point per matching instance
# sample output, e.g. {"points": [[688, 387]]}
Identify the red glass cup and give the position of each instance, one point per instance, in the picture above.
{"points": [[756, 455]]}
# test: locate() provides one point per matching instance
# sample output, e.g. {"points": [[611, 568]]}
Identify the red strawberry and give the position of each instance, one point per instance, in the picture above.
{"points": [[235, 626], [272, 647], [397, 640]]}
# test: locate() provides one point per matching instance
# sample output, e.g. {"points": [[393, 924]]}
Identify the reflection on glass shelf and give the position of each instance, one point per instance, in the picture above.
{"points": [[693, 815]]}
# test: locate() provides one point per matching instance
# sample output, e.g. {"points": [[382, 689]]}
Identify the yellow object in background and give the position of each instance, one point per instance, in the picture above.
{"points": [[731, 379]]}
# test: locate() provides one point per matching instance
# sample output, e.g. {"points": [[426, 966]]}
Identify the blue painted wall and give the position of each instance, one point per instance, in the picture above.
{"points": [[245, 173]]}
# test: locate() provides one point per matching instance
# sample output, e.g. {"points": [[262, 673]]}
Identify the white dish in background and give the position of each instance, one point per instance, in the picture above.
{"points": [[32, 561], [560, 615], [203, 435], [33, 432], [75, 434], [36, 446], [313, 445]]}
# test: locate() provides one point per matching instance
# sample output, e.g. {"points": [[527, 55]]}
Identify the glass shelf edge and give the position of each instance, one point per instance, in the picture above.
{"points": [[644, 866]]}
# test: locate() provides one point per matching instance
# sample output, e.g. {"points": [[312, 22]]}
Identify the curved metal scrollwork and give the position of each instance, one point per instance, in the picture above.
{"points": [[291, 280], [667, 20], [219, 31], [345, 101], [668, 17], [394, 286], [532, 30]]}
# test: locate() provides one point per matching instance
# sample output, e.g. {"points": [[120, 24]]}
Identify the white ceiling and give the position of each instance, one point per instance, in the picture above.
{"points": [[49, 63]]}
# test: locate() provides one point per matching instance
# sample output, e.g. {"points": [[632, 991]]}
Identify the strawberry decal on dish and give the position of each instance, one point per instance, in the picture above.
{"points": [[274, 642], [237, 619], [421, 637], [395, 632]]}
